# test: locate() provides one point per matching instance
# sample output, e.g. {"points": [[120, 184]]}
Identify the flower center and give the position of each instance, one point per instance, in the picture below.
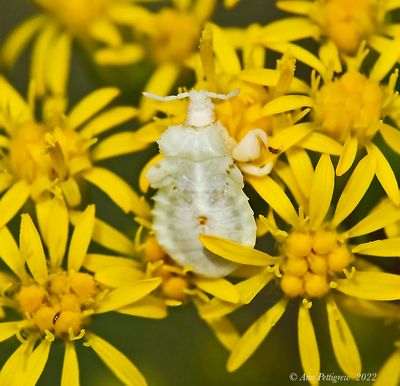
{"points": [[25, 149], [347, 23], [173, 36], [173, 286], [312, 259], [59, 306], [76, 15], [351, 104], [56, 154]]}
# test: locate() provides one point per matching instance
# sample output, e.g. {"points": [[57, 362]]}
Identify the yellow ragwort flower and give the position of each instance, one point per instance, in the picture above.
{"points": [[94, 23], [179, 286], [56, 301], [259, 132], [318, 259], [353, 108], [48, 157], [170, 37], [340, 22]]}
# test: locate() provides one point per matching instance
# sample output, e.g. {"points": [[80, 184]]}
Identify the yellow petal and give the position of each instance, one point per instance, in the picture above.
{"points": [[105, 31], [53, 219], [300, 54], [321, 143], [118, 276], [40, 54], [10, 254], [95, 262], [386, 60], [90, 105], [160, 83], [387, 248], [308, 347], [290, 136], [12, 201], [148, 307], [8, 329], [286, 103], [269, 77], [32, 249], [322, 187], [12, 370], [220, 288], [119, 56], [371, 286], [19, 38], [288, 29], [391, 136], [236, 252], [117, 362], [247, 289], [143, 181], [225, 332], [385, 214], [343, 343], [225, 52], [389, 374], [355, 189], [81, 238], [385, 174], [348, 155], [58, 64], [118, 190], [126, 295], [108, 120], [273, 194], [329, 54], [13, 103], [285, 173], [36, 363], [112, 239], [299, 7], [302, 169], [120, 144], [254, 336], [70, 370]]}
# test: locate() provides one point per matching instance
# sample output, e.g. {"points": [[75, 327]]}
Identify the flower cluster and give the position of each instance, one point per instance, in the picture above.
{"points": [[316, 151]]}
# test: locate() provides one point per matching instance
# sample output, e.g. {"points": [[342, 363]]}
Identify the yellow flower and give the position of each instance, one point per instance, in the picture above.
{"points": [[56, 303], [253, 118], [318, 259], [48, 157], [343, 23], [59, 23], [170, 37], [353, 108], [179, 286]]}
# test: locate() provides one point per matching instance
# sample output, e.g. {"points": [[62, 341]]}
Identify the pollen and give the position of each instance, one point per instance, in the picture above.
{"points": [[312, 260], [351, 104], [59, 304], [347, 23]]}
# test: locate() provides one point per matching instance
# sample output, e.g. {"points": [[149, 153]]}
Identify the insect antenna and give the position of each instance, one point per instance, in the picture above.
{"points": [[182, 95]]}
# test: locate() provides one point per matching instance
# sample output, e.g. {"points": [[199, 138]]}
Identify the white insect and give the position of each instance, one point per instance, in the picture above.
{"points": [[199, 188]]}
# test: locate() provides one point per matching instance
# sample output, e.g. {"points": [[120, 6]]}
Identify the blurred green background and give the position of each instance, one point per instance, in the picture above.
{"points": [[181, 350]]}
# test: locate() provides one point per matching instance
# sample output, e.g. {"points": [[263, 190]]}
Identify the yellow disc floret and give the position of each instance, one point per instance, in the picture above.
{"points": [[347, 23], [311, 261], [174, 288], [351, 104], [59, 305]]}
